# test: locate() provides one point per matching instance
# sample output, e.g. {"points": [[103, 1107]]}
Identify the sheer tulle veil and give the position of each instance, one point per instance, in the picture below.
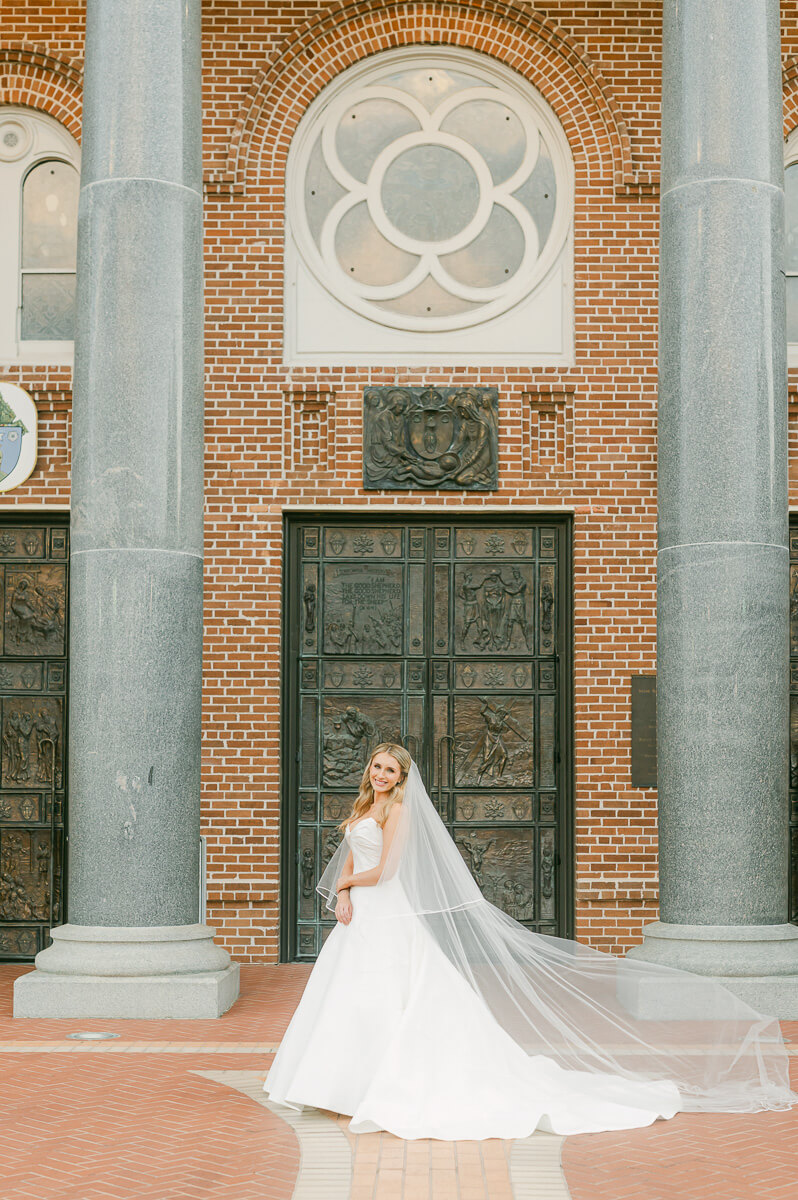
{"points": [[587, 1010]]}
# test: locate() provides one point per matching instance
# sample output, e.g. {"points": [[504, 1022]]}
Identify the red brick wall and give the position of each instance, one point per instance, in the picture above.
{"points": [[598, 67]]}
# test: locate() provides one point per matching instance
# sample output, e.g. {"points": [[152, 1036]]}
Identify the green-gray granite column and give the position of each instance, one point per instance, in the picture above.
{"points": [[722, 676], [132, 945]]}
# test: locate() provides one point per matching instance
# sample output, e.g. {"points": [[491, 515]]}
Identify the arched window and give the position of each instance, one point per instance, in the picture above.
{"points": [[39, 184], [429, 201]]}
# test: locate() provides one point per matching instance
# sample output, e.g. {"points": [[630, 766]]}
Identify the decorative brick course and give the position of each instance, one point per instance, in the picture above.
{"points": [[280, 438]]}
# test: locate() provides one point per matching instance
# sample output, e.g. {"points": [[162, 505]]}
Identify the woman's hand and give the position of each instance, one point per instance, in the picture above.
{"points": [[343, 909], [344, 881]]}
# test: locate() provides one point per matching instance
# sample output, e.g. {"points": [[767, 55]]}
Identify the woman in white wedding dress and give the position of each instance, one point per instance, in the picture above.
{"points": [[432, 1014]]}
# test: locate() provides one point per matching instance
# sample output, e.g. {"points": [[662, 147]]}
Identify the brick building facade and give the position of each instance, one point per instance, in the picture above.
{"points": [[577, 443]]}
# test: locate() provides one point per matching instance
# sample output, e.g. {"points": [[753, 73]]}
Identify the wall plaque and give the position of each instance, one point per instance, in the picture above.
{"points": [[18, 436], [644, 731], [416, 437]]}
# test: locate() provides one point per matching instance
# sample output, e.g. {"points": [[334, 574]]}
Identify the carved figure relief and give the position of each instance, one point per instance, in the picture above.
{"points": [[493, 742], [309, 599], [431, 438], [308, 869], [31, 742], [493, 610], [794, 740], [500, 862], [349, 735], [24, 876], [34, 611]]}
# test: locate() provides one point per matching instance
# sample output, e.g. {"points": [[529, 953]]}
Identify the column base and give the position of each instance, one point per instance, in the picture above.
{"points": [[756, 963], [145, 973]]}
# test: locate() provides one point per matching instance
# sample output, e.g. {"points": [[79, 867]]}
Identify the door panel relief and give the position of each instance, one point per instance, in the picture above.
{"points": [[444, 637], [33, 673]]}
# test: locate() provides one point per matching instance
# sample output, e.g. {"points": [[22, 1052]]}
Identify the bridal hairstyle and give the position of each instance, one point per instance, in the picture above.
{"points": [[365, 797], [583, 1009]]}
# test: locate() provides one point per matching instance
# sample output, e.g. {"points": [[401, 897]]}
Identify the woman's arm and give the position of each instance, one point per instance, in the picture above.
{"points": [[343, 905], [347, 870], [372, 876]]}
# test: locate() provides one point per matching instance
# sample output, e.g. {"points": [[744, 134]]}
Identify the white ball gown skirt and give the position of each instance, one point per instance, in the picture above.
{"points": [[389, 1032]]}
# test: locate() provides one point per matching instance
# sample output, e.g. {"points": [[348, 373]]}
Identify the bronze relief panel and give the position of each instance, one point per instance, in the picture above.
{"points": [[34, 621], [501, 863], [373, 675], [24, 542], [493, 608], [494, 741], [363, 543], [495, 806], [32, 742], [364, 609], [33, 677], [498, 543], [424, 437], [351, 728]]}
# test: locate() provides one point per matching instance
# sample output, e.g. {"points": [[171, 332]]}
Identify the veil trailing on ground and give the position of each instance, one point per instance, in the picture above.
{"points": [[586, 1010]]}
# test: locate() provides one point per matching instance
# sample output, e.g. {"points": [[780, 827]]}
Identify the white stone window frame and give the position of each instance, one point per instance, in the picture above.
{"points": [[535, 331], [48, 140], [790, 160]]}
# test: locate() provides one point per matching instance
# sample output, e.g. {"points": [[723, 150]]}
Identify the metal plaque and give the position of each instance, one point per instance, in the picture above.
{"points": [[446, 438], [644, 731]]}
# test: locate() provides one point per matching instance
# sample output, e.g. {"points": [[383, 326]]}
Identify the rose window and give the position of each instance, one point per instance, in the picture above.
{"points": [[434, 196]]}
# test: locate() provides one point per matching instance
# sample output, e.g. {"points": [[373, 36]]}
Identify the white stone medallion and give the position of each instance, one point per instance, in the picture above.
{"points": [[18, 436]]}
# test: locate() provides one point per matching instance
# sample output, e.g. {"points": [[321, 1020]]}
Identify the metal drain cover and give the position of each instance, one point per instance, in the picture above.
{"points": [[92, 1036]]}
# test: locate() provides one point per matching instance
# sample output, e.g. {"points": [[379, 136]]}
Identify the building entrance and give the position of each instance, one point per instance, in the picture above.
{"points": [[33, 679], [453, 637], [794, 720]]}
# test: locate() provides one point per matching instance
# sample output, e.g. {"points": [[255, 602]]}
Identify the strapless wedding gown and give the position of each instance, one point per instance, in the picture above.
{"points": [[389, 1032]]}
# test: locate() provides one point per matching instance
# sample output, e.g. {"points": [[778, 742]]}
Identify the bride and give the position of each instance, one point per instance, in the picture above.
{"points": [[430, 1013]]}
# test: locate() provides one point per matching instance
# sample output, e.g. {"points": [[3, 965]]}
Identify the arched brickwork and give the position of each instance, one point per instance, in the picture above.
{"points": [[790, 93], [41, 81], [346, 33]]}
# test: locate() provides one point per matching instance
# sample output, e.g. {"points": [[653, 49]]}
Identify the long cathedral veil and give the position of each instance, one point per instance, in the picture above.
{"points": [[583, 1008]]}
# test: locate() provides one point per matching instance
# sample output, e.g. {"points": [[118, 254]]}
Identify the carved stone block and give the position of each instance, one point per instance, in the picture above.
{"points": [[422, 437]]}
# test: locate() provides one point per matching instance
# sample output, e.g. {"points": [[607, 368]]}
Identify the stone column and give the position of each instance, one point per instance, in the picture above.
{"points": [[133, 947], [722, 687]]}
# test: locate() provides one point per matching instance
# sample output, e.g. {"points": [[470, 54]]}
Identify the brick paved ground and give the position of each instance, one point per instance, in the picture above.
{"points": [[174, 1110]]}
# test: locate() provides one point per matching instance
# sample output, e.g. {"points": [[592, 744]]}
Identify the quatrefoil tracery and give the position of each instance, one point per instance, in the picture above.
{"points": [[429, 218]]}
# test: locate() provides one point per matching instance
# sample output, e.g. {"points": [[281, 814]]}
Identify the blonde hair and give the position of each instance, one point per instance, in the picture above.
{"points": [[365, 797]]}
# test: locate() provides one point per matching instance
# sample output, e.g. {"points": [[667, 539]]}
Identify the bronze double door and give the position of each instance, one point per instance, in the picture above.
{"points": [[33, 683], [452, 637], [794, 720]]}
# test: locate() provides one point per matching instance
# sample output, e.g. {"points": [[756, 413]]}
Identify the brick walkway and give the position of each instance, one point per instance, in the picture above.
{"points": [[174, 1110]]}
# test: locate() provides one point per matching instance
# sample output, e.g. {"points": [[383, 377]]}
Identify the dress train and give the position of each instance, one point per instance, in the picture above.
{"points": [[388, 1030]]}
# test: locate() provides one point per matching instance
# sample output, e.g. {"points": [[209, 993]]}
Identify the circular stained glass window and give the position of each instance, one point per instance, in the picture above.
{"points": [[430, 191]]}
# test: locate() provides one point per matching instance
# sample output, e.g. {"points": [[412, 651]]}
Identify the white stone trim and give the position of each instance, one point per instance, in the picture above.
{"points": [[536, 1168], [325, 1166], [332, 319], [790, 159], [43, 138]]}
